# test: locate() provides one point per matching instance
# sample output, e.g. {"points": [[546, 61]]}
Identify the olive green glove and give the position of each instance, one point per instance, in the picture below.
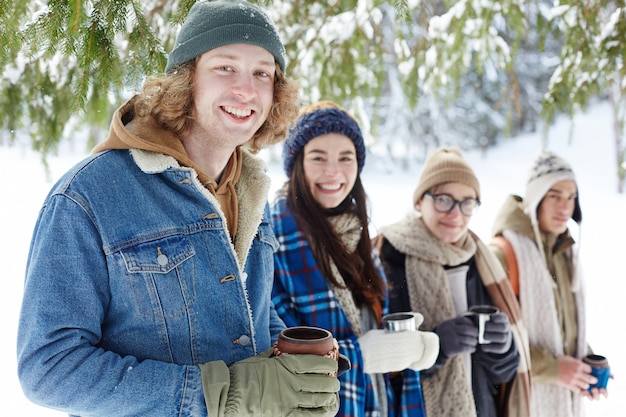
{"points": [[278, 386]]}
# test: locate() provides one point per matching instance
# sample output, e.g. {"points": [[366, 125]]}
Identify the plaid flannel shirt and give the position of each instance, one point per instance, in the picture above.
{"points": [[303, 297]]}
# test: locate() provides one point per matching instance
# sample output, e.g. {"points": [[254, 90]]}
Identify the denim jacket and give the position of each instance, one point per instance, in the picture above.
{"points": [[132, 280]]}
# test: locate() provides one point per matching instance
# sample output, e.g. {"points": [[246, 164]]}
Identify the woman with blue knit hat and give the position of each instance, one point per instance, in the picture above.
{"points": [[148, 284], [532, 240], [326, 272]]}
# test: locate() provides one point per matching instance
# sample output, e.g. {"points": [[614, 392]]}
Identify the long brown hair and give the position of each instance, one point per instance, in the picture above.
{"points": [[357, 268], [169, 99]]}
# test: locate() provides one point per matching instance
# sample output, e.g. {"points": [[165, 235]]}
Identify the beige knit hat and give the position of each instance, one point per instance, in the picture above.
{"points": [[444, 165]]}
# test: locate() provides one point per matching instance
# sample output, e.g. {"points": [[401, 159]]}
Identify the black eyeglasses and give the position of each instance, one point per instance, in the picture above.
{"points": [[444, 203]]}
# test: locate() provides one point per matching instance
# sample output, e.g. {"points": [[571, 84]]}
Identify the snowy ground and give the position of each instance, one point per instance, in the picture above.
{"points": [[501, 171]]}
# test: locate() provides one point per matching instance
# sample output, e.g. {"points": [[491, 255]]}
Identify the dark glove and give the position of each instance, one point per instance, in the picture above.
{"points": [[457, 335], [498, 332], [343, 364], [281, 386]]}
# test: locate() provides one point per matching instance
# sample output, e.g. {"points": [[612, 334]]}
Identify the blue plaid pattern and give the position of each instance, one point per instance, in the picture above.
{"points": [[303, 297], [412, 401]]}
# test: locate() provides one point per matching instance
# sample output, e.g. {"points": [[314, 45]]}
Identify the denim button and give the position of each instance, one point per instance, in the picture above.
{"points": [[162, 260], [244, 340]]}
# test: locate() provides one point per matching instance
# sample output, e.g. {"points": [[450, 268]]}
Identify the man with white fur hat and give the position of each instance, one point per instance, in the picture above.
{"points": [[533, 242]]}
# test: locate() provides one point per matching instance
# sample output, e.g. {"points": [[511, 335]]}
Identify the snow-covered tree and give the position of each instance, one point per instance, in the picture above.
{"points": [[417, 73]]}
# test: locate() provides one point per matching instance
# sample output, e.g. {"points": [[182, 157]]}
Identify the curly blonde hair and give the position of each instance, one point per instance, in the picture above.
{"points": [[169, 99]]}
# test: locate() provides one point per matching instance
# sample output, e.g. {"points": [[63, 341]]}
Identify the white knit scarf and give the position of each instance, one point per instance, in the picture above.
{"points": [[539, 311]]}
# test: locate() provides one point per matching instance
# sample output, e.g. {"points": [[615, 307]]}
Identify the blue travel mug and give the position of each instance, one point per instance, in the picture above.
{"points": [[600, 369]]}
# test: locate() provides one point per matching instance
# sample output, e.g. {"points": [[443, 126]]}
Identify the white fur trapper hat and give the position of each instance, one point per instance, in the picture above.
{"points": [[546, 170]]}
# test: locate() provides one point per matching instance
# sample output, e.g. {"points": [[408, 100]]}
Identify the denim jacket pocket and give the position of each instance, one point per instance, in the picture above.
{"points": [[261, 257], [162, 275], [267, 236]]}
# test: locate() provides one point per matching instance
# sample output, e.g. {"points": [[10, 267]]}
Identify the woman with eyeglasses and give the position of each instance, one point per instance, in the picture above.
{"points": [[436, 265]]}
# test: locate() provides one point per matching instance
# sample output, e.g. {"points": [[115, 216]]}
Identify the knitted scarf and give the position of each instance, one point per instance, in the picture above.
{"points": [[447, 393], [536, 297], [348, 227]]}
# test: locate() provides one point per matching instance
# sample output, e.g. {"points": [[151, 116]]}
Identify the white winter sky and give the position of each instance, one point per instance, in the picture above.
{"points": [[501, 171]]}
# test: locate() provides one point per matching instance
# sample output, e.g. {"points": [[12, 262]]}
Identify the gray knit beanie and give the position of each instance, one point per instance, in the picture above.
{"points": [[211, 24], [546, 170]]}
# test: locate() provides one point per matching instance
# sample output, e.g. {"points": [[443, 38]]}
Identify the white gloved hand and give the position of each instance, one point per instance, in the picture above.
{"points": [[395, 351], [431, 346], [431, 351]]}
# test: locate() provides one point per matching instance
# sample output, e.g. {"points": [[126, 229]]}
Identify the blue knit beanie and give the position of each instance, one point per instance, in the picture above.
{"points": [[211, 24], [326, 117]]}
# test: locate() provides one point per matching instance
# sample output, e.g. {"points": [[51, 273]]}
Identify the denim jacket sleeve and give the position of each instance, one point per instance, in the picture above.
{"points": [[276, 324], [61, 361]]}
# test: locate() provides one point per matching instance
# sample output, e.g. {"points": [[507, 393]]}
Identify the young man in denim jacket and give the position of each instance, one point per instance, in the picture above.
{"points": [[148, 282]]}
